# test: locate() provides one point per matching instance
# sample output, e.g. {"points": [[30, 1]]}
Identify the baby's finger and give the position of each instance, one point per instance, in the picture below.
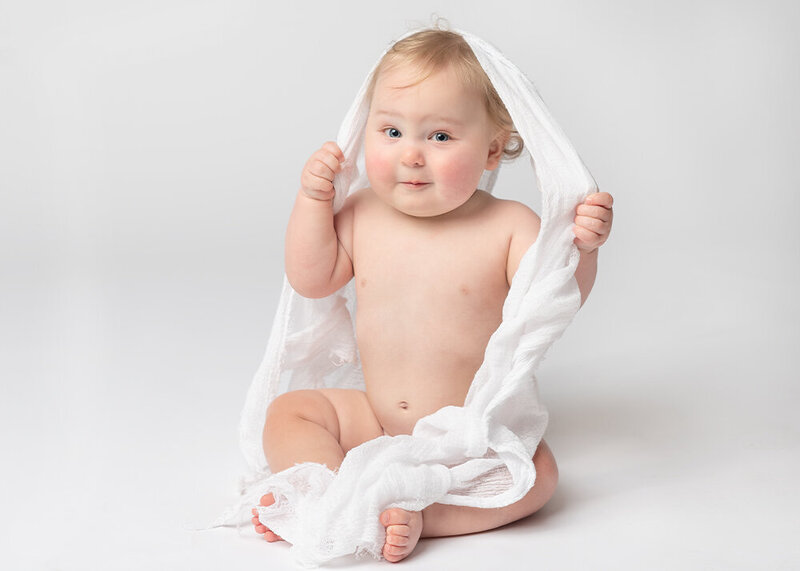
{"points": [[313, 181], [329, 159], [319, 188], [596, 226], [334, 149], [316, 187], [592, 211], [600, 199], [323, 168], [586, 240]]}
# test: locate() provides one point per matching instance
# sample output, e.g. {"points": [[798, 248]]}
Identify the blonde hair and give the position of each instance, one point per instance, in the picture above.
{"points": [[433, 50]]}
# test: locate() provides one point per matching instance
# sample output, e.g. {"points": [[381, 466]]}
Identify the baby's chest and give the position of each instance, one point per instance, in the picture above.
{"points": [[438, 270]]}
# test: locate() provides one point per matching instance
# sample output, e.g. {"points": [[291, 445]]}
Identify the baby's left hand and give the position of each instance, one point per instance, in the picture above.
{"points": [[593, 221]]}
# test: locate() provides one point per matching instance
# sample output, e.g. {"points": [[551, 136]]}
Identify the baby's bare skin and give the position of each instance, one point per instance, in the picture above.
{"points": [[432, 260], [430, 294], [420, 340]]}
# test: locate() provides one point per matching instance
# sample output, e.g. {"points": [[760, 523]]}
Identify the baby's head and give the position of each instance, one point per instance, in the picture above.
{"points": [[435, 124], [433, 50]]}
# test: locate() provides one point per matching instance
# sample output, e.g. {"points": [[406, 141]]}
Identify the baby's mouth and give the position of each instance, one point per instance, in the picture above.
{"points": [[414, 183]]}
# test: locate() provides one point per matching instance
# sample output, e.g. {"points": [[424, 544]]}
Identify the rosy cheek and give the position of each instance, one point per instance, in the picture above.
{"points": [[377, 164], [460, 174]]}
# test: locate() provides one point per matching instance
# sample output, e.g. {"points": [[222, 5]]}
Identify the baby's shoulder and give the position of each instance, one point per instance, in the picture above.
{"points": [[522, 226], [354, 197], [360, 199], [355, 202], [344, 219], [516, 216]]}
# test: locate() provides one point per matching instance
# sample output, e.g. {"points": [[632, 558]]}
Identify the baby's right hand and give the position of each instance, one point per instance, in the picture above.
{"points": [[316, 181]]}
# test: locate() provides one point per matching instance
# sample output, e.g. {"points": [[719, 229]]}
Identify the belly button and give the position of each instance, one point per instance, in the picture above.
{"points": [[403, 404]]}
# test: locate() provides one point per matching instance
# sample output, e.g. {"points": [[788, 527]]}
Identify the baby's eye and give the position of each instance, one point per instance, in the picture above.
{"points": [[441, 137], [392, 133]]}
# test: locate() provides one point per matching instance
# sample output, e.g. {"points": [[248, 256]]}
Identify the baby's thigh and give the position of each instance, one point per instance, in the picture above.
{"points": [[357, 420], [345, 414]]}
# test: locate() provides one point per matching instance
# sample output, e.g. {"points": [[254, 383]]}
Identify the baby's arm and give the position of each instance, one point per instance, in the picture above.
{"points": [[316, 262], [592, 226], [525, 225]]}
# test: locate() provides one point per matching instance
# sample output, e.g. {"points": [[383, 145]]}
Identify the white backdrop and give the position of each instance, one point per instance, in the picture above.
{"points": [[149, 156]]}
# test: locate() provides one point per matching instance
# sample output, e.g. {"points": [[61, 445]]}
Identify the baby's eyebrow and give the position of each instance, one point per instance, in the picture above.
{"points": [[432, 118]]}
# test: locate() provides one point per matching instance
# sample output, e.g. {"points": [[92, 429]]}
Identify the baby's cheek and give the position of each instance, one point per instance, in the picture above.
{"points": [[377, 166], [462, 174]]}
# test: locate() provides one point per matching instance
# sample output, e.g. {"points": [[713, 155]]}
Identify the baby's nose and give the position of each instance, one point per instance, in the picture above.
{"points": [[412, 156]]}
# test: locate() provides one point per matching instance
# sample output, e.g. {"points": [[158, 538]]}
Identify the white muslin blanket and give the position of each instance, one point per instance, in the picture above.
{"points": [[477, 455]]}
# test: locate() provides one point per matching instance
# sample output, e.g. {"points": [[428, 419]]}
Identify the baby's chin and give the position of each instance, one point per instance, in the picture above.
{"points": [[424, 212], [420, 208]]}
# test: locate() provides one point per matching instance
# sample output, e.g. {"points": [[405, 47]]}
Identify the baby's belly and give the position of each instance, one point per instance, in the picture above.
{"points": [[399, 404], [413, 369], [422, 334]]}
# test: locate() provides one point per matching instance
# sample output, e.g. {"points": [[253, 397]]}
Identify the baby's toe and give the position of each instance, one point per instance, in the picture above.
{"points": [[391, 551], [403, 529], [397, 540], [394, 554], [271, 536], [267, 500], [395, 516], [260, 527]]}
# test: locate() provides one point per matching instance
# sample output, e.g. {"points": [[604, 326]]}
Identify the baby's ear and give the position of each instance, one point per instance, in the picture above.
{"points": [[496, 148]]}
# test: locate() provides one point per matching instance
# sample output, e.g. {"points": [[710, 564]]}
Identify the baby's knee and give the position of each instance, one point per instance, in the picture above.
{"points": [[546, 474], [307, 405]]}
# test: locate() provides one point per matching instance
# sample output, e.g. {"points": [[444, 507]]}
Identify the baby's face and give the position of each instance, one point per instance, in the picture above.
{"points": [[427, 143]]}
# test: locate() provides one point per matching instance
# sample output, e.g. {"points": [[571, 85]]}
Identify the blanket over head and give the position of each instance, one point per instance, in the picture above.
{"points": [[477, 455]]}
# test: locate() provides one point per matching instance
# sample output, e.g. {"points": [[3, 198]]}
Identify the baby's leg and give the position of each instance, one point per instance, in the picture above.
{"points": [[440, 520], [314, 426], [323, 425], [317, 426], [443, 520]]}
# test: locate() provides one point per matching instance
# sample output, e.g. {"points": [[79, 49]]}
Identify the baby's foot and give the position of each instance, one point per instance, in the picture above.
{"points": [[403, 529], [266, 500]]}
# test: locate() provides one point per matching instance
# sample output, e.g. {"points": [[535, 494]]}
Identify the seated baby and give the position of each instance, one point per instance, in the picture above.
{"points": [[432, 259]]}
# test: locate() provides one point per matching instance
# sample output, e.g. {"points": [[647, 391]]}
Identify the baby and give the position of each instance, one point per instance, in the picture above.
{"points": [[432, 259]]}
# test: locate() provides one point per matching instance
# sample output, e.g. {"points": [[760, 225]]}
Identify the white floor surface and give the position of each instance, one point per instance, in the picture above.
{"points": [[675, 452]]}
